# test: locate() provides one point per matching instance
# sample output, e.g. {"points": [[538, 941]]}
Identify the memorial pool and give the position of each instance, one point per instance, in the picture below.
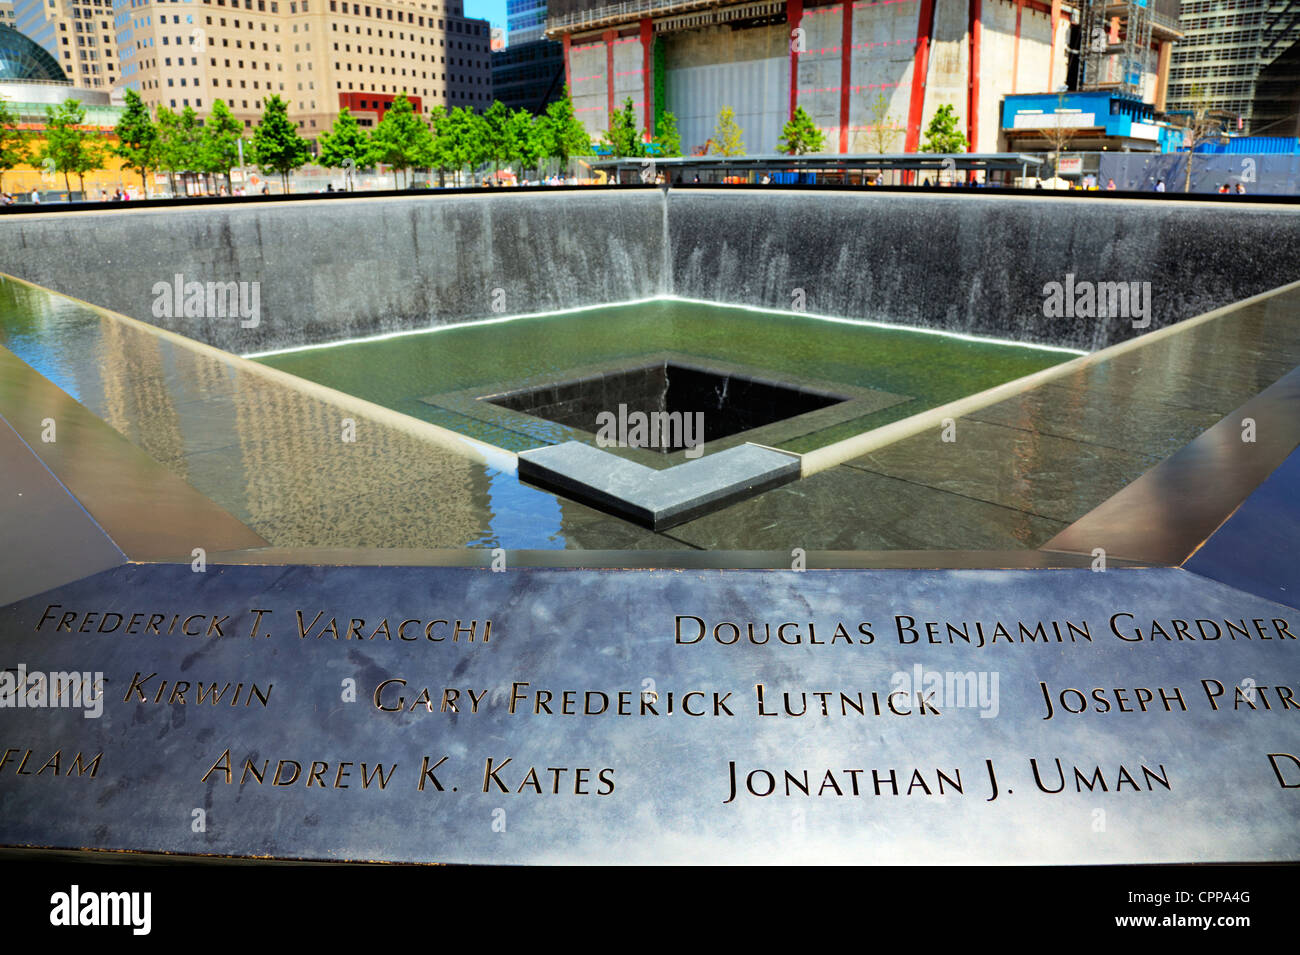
{"points": [[901, 371]]}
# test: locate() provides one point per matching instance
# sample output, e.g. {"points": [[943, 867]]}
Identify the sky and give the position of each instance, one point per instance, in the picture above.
{"points": [[494, 11]]}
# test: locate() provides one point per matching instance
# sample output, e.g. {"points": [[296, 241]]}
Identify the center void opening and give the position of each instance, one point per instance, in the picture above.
{"points": [[721, 403]]}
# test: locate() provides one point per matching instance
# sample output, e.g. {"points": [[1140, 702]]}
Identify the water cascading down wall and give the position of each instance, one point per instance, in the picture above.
{"points": [[351, 267]]}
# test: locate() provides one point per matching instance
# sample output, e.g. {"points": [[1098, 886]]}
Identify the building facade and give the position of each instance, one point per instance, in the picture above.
{"points": [[317, 55], [529, 75], [1227, 46], [77, 33], [870, 73], [525, 20]]}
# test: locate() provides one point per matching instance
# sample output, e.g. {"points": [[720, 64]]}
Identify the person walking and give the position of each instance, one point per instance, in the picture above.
{"points": [[1110, 185], [1160, 185], [36, 197]]}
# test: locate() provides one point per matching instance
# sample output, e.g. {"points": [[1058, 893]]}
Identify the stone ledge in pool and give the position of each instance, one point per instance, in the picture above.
{"points": [[657, 499]]}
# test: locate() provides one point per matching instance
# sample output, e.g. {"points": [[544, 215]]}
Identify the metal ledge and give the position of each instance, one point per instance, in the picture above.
{"points": [[657, 499]]}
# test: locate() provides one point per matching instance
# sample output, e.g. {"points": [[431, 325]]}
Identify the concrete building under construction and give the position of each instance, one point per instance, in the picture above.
{"points": [[870, 73]]}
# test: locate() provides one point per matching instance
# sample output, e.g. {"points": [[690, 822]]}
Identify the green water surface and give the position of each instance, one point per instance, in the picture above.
{"points": [[397, 372]]}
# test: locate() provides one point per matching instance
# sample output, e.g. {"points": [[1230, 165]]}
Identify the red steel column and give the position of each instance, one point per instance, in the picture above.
{"points": [[920, 64], [794, 14], [609, 36], [846, 73], [1015, 56], [648, 72], [973, 87], [1051, 66], [568, 71]]}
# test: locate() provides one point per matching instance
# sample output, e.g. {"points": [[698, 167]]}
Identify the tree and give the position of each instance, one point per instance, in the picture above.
{"points": [[528, 145], [276, 143], [459, 139], [728, 138], [667, 136], [1059, 135], [71, 148], [800, 136], [401, 139], [942, 135], [179, 142], [474, 139], [13, 141], [562, 134], [882, 133], [137, 139], [441, 147], [346, 146], [219, 141], [499, 135], [1200, 124], [164, 133], [624, 133]]}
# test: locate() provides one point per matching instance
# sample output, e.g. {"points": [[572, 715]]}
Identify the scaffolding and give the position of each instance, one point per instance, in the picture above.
{"points": [[1115, 46]]}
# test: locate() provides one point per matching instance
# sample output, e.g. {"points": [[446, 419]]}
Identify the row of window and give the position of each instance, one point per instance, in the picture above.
{"points": [[1216, 56], [1220, 6], [1235, 69]]}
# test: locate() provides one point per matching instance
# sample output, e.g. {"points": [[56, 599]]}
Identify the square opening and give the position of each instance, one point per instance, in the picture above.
{"points": [[726, 403]]}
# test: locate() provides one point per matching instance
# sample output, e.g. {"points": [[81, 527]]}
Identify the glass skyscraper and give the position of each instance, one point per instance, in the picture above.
{"points": [[525, 20]]}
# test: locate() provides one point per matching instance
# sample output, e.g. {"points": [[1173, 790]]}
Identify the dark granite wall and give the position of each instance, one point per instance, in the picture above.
{"points": [[969, 263], [972, 263], [344, 268]]}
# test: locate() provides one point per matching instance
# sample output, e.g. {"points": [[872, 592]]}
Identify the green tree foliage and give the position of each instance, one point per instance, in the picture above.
{"points": [[728, 138], [624, 133], [137, 139], [346, 145], [529, 146], [882, 133], [667, 136], [179, 143], [401, 139], [800, 135], [499, 135], [460, 139], [13, 141], [71, 148], [219, 141], [441, 152], [166, 132], [942, 135], [562, 134], [276, 144]]}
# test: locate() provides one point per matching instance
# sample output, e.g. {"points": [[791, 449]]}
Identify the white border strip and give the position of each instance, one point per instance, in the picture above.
{"points": [[473, 323]]}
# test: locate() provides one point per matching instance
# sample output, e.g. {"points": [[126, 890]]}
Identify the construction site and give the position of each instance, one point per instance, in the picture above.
{"points": [[871, 75]]}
